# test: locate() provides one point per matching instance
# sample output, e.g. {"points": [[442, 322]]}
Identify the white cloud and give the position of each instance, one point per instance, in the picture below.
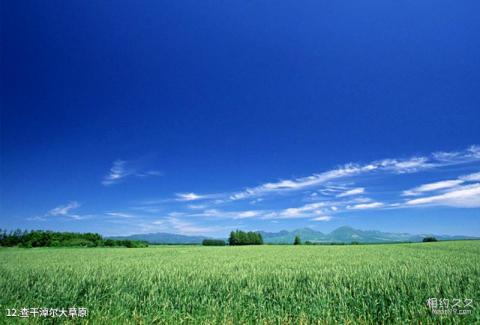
{"points": [[441, 185], [474, 151], [360, 199], [64, 210], [396, 166], [329, 179], [305, 211], [355, 191], [249, 214], [432, 187], [122, 169], [365, 206], [304, 182], [197, 206], [117, 172], [467, 196], [229, 214], [411, 165], [322, 218], [457, 157], [475, 177], [120, 214], [189, 197], [188, 228]]}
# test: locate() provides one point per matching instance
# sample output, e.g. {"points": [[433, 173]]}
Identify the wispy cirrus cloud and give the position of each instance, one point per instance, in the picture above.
{"points": [[65, 210], [197, 206], [216, 213], [354, 191], [188, 228], [190, 196], [432, 187], [475, 177], [122, 169], [364, 206], [300, 212], [120, 214], [441, 185], [466, 196], [319, 197], [394, 166], [323, 218], [306, 211], [118, 171], [457, 157], [301, 183]]}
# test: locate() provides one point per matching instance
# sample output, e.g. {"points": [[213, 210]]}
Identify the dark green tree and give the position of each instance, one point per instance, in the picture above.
{"points": [[232, 240], [297, 241]]}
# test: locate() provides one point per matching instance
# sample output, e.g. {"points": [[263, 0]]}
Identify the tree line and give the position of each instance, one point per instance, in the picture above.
{"points": [[213, 242], [41, 238], [239, 237]]}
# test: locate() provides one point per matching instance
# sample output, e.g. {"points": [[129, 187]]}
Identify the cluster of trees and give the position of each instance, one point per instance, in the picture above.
{"points": [[239, 237], [429, 239], [40, 238], [213, 242]]}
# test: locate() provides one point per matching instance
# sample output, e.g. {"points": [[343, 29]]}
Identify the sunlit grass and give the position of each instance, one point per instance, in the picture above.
{"points": [[268, 284]]}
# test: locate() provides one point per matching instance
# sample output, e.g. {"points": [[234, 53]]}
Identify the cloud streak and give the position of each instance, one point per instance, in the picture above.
{"points": [[190, 196], [441, 185], [122, 169], [432, 187], [365, 206], [467, 196], [66, 211], [395, 166], [323, 218], [355, 191]]}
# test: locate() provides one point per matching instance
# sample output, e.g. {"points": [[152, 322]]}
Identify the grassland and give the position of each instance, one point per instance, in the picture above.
{"points": [[268, 284]]}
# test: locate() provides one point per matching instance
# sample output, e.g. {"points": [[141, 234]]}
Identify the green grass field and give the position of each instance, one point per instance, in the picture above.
{"points": [[268, 284]]}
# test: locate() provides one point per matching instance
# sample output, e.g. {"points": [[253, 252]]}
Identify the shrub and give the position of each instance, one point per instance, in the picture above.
{"points": [[429, 239]]}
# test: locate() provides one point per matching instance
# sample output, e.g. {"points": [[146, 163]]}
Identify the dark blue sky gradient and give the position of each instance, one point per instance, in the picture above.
{"points": [[219, 96]]}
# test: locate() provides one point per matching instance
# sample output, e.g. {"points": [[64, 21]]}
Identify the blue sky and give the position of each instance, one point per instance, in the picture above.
{"points": [[192, 117]]}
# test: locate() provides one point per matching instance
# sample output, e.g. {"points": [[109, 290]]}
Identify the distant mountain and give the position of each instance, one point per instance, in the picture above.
{"points": [[347, 235], [340, 235], [288, 237], [164, 238]]}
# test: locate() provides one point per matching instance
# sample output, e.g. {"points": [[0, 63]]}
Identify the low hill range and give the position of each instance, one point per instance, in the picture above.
{"points": [[343, 234]]}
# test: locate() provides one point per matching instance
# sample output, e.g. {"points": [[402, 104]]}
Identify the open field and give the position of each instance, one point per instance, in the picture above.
{"points": [[268, 284]]}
